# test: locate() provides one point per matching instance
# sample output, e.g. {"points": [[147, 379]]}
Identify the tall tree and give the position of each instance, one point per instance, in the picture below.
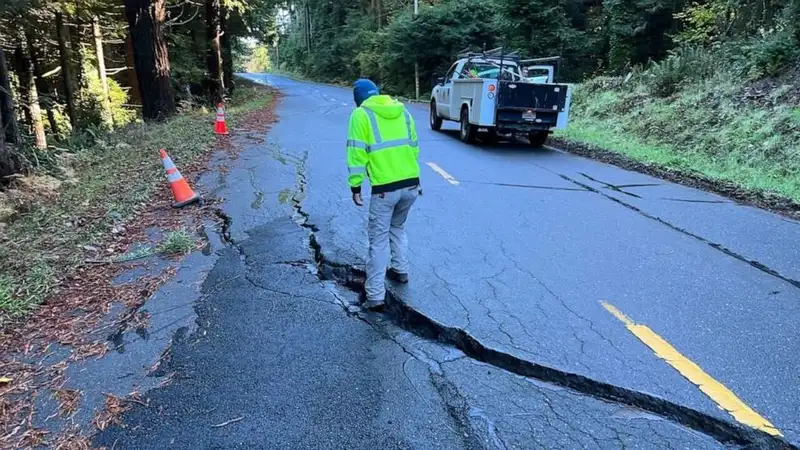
{"points": [[9, 120], [151, 57], [214, 60], [66, 67], [135, 95], [9, 160], [29, 94], [105, 103], [38, 78], [227, 49], [622, 24]]}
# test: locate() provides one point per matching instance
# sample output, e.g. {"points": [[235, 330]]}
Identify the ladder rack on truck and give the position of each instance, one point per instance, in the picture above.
{"points": [[489, 91]]}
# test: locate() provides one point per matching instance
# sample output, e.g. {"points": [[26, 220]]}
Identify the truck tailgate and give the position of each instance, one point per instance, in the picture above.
{"points": [[538, 97]]}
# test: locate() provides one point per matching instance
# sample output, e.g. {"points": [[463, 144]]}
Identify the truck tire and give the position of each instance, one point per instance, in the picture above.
{"points": [[467, 132], [436, 121], [538, 138]]}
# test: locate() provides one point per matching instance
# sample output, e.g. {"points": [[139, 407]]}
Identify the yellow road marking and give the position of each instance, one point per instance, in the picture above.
{"points": [[443, 173], [715, 390]]}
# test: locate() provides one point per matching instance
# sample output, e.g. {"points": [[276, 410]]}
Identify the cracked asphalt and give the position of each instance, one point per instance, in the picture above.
{"points": [[500, 340]]}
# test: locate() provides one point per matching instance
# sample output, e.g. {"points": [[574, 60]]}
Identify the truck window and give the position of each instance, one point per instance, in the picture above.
{"points": [[488, 71], [449, 76]]}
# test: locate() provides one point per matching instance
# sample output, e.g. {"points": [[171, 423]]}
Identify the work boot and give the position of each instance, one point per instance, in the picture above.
{"points": [[397, 276], [371, 305]]}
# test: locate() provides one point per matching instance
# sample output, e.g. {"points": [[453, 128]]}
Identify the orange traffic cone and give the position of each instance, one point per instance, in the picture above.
{"points": [[181, 190], [220, 127]]}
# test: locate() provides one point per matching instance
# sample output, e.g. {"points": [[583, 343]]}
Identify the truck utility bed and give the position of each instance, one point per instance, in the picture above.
{"points": [[490, 92], [533, 104], [539, 97]]}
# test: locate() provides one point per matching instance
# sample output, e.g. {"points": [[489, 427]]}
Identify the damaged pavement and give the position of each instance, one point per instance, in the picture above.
{"points": [[500, 341]]}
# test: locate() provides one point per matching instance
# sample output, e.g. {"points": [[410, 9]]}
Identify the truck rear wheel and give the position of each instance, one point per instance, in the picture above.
{"points": [[436, 121], [468, 132], [538, 138]]}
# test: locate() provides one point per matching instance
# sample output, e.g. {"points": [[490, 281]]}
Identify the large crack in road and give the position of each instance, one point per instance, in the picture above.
{"points": [[719, 247], [402, 315]]}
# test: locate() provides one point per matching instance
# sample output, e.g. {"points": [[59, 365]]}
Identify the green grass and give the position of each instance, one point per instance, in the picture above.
{"points": [[705, 128], [177, 242], [115, 178]]}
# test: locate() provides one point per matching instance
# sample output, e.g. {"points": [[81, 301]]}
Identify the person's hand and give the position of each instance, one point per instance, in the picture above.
{"points": [[357, 199]]}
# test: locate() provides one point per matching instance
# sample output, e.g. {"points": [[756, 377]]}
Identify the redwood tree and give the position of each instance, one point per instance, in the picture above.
{"points": [[29, 94], [151, 58], [9, 160], [66, 67], [9, 116], [38, 78], [227, 50], [214, 57]]}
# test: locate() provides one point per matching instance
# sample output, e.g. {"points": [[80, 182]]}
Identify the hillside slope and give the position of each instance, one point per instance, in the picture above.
{"points": [[723, 127]]}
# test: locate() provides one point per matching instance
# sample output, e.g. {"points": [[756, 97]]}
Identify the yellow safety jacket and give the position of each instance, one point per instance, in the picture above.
{"points": [[382, 145]]}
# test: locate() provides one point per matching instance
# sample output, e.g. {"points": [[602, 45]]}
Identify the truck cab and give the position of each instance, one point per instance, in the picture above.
{"points": [[498, 94]]}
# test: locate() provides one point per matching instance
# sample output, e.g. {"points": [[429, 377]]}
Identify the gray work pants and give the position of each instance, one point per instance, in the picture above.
{"points": [[386, 230]]}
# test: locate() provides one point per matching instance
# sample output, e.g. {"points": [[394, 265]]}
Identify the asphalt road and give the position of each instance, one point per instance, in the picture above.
{"points": [[555, 302]]}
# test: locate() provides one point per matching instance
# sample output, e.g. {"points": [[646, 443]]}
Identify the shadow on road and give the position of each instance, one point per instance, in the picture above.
{"points": [[501, 145]]}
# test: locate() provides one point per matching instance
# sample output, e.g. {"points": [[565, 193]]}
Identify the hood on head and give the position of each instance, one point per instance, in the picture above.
{"points": [[364, 89]]}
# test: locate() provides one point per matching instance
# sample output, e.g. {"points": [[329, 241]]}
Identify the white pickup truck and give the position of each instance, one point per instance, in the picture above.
{"points": [[492, 93]]}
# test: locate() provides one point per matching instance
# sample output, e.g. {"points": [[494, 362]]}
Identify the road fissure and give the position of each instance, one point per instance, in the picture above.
{"points": [[406, 317], [756, 264]]}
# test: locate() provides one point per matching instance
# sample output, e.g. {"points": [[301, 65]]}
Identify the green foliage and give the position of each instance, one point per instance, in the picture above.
{"points": [[116, 175], [89, 102], [703, 23], [187, 58], [686, 64], [258, 60], [177, 242], [704, 126], [761, 57], [434, 37]]}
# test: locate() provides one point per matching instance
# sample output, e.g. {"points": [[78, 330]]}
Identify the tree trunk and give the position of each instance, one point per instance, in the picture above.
{"points": [[214, 59], [66, 69], [9, 160], [108, 119], [151, 58], [308, 27], [9, 121], [133, 79], [41, 84], [227, 51], [30, 96]]}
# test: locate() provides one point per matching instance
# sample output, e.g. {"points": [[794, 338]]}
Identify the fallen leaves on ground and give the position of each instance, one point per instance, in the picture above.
{"points": [[111, 412], [83, 300], [68, 401]]}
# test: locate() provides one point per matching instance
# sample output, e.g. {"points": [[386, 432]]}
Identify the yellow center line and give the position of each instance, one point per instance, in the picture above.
{"points": [[715, 390], [443, 173]]}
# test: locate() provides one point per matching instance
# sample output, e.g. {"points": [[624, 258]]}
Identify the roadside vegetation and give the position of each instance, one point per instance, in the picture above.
{"points": [[726, 113], [706, 87], [59, 223], [85, 106]]}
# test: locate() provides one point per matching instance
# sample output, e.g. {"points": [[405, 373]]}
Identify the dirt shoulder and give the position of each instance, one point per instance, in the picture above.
{"points": [[77, 266]]}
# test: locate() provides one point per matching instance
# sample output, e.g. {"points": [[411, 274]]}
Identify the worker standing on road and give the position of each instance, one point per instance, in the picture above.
{"points": [[382, 145]]}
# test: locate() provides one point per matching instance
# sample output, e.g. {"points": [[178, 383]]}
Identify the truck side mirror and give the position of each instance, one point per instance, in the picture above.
{"points": [[438, 81]]}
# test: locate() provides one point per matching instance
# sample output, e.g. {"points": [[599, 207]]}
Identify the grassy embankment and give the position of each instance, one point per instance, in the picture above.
{"points": [[723, 127], [106, 184]]}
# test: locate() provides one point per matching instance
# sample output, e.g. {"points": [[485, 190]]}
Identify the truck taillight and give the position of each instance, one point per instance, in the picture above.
{"points": [[492, 88]]}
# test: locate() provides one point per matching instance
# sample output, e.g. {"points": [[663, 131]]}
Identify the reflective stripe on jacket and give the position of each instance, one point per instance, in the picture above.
{"points": [[382, 144]]}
